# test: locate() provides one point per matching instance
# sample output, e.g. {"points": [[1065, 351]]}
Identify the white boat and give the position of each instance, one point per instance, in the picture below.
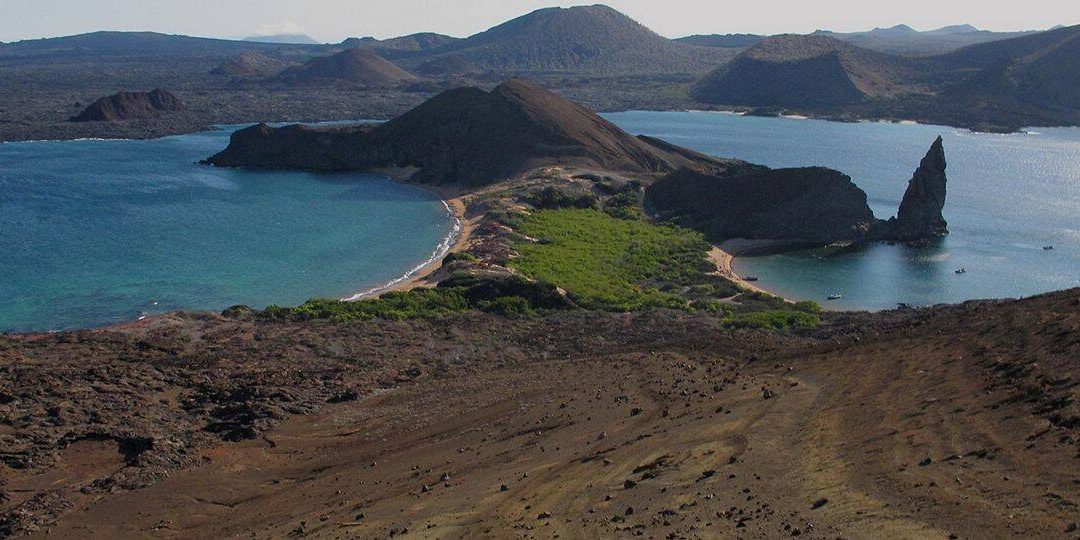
{"points": [[835, 296], [961, 270]]}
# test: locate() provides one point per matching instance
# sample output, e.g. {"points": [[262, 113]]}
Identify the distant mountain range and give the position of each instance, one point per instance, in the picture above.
{"points": [[997, 85], [591, 40], [900, 39], [958, 74]]}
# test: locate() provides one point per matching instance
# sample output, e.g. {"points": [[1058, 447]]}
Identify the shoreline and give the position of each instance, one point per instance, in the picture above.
{"points": [[455, 242], [723, 256]]}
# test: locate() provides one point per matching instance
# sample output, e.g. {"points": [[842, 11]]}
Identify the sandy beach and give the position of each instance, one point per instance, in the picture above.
{"points": [[459, 243], [457, 203], [724, 254]]}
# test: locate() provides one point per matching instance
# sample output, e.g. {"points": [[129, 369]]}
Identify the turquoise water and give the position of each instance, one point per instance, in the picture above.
{"points": [[1009, 195], [97, 232]]}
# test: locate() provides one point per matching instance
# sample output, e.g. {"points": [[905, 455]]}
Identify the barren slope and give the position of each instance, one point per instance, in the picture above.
{"points": [[955, 420]]}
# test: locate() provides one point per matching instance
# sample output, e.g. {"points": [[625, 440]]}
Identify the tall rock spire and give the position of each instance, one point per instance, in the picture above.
{"points": [[920, 216]]}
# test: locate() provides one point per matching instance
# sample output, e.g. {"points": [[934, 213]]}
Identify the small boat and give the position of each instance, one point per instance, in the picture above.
{"points": [[750, 278], [835, 296], [1047, 248], [961, 270]]}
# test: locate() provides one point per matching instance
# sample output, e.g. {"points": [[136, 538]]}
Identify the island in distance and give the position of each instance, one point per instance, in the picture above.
{"points": [[958, 76]]}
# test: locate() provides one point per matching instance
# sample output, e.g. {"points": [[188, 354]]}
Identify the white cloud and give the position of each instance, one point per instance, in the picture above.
{"points": [[279, 28]]}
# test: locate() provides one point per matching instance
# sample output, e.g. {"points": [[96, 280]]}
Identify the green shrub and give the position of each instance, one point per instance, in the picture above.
{"points": [[808, 306], [551, 198], [395, 305], [710, 305], [773, 319], [462, 256], [510, 306]]}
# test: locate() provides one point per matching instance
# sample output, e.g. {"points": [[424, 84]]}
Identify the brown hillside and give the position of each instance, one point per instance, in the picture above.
{"points": [[957, 420], [358, 66]]}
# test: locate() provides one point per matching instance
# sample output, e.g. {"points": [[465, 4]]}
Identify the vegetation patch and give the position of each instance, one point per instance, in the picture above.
{"points": [[604, 262], [394, 305], [502, 294], [773, 319]]}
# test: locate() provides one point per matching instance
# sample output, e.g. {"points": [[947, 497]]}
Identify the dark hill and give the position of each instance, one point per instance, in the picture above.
{"points": [[1041, 70], [465, 136], [129, 106], [359, 66], [135, 44], [593, 39], [987, 54], [804, 71], [812, 205]]}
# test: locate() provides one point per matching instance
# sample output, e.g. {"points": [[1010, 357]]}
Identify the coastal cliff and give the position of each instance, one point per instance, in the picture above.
{"points": [[128, 106], [812, 205], [466, 136]]}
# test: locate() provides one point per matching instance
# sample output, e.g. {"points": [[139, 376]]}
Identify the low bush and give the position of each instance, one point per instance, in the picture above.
{"points": [[773, 319]]}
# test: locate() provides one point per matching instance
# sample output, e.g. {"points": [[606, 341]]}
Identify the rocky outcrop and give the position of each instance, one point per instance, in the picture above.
{"points": [[920, 216], [811, 205], [465, 136], [128, 106]]}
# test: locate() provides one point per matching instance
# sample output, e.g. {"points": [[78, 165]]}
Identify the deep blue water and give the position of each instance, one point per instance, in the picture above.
{"points": [[1009, 195], [97, 232]]}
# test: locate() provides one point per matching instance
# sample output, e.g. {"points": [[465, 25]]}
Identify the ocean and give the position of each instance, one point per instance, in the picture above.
{"points": [[96, 232]]}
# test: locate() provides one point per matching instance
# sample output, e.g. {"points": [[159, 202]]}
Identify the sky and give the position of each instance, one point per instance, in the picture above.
{"points": [[334, 20]]}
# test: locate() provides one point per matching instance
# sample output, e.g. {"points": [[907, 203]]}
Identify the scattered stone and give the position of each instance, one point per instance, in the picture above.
{"points": [[629, 484], [819, 503], [925, 462]]}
